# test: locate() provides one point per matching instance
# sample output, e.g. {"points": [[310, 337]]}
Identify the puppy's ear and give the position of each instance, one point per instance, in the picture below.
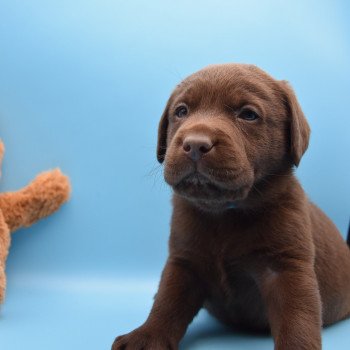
{"points": [[299, 127], [162, 134]]}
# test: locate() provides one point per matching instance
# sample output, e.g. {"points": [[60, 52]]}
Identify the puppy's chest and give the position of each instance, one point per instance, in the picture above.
{"points": [[224, 259], [233, 271], [225, 245]]}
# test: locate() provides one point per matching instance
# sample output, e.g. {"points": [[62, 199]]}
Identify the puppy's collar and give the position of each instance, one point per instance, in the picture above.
{"points": [[231, 205]]}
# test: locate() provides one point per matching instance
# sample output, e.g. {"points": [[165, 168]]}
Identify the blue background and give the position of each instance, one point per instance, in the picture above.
{"points": [[82, 86]]}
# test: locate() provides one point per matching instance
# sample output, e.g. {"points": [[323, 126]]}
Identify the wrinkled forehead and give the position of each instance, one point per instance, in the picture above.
{"points": [[230, 85]]}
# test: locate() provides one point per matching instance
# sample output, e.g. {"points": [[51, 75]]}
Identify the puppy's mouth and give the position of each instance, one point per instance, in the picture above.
{"points": [[208, 194], [199, 186]]}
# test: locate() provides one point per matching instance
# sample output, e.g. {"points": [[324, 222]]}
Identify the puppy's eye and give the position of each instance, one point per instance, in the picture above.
{"points": [[181, 111], [248, 114]]}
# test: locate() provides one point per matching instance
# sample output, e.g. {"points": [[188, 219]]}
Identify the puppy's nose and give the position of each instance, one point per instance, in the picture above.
{"points": [[195, 146]]}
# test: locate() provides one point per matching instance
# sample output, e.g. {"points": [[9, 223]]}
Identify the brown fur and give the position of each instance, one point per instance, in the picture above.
{"points": [[245, 241], [23, 208]]}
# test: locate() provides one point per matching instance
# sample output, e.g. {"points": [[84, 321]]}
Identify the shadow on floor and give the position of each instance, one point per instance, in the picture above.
{"points": [[207, 333]]}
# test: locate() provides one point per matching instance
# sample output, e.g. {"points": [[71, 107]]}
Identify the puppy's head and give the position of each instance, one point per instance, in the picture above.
{"points": [[225, 129]]}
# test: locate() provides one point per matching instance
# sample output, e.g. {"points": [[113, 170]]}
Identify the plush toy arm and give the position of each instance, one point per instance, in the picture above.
{"points": [[39, 199]]}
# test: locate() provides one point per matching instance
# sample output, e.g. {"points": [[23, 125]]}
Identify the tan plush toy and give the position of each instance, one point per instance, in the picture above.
{"points": [[23, 208]]}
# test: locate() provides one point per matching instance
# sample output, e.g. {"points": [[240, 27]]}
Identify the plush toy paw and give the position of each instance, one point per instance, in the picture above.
{"points": [[48, 191], [144, 339]]}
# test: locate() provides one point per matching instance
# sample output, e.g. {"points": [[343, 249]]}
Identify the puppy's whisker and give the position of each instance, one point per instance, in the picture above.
{"points": [[281, 175], [155, 169], [258, 191]]}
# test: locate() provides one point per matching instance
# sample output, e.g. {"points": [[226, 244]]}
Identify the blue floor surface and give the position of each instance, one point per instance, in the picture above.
{"points": [[80, 312]]}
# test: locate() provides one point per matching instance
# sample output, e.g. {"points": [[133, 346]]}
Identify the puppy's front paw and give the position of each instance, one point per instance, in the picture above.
{"points": [[144, 339]]}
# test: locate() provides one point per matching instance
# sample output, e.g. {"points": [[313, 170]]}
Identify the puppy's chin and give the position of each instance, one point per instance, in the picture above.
{"points": [[208, 195]]}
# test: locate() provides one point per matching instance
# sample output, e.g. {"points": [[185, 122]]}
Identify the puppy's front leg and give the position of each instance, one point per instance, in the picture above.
{"points": [[293, 307], [179, 298]]}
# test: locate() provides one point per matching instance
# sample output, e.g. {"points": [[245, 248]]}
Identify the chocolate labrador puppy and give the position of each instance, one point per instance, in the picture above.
{"points": [[245, 243]]}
